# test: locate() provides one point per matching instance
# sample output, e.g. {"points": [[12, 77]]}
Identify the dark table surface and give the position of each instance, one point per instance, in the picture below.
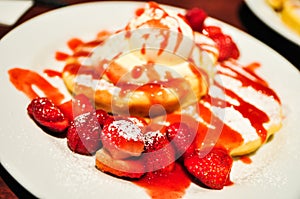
{"points": [[235, 13]]}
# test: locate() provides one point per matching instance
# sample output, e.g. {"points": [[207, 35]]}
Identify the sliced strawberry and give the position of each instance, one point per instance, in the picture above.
{"points": [[130, 168], [48, 115], [196, 18], [122, 139], [212, 168], [181, 136], [66, 109], [213, 31], [227, 47], [83, 135], [77, 106], [159, 154]]}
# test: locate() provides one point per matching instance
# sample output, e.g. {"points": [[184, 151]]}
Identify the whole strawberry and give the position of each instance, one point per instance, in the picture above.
{"points": [[212, 168], [181, 136], [159, 155], [47, 114], [195, 18], [83, 135]]}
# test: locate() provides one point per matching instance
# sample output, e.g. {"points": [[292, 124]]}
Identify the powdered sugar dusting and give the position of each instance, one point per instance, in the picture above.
{"points": [[126, 129], [151, 137]]}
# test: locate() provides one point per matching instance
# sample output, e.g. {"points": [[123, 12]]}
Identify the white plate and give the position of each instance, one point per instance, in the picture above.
{"points": [[265, 13], [46, 167]]}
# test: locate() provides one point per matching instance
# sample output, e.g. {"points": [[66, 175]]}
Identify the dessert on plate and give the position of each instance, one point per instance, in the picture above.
{"points": [[163, 98]]}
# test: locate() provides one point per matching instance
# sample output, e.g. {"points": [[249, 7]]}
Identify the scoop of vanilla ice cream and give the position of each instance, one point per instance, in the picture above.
{"points": [[162, 39], [160, 34]]}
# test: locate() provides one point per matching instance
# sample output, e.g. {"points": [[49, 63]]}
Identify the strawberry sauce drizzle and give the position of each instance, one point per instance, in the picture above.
{"points": [[258, 84], [157, 23], [256, 117], [170, 185], [222, 135], [52, 73], [24, 80], [245, 159]]}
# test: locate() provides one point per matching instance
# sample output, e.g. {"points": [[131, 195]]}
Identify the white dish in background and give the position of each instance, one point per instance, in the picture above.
{"points": [[46, 167], [266, 14]]}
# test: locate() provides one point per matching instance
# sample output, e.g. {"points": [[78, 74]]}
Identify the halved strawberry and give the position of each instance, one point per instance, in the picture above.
{"points": [[122, 138], [212, 168], [227, 47], [181, 136], [196, 18], [47, 114], [78, 105], [159, 155], [83, 135]]}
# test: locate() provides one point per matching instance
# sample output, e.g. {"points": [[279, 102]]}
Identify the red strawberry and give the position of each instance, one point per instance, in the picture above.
{"points": [[227, 47], [66, 108], [103, 116], [212, 168], [196, 17], [122, 138], [181, 136], [77, 106], [81, 104], [83, 135], [47, 114], [159, 154], [213, 31]]}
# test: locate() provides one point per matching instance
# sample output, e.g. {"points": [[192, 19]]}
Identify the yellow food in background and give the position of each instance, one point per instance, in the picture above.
{"points": [[289, 11], [276, 4], [291, 14]]}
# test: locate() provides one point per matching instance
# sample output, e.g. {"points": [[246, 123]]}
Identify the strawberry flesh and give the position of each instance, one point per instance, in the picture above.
{"points": [[212, 168], [227, 47], [47, 114]]}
